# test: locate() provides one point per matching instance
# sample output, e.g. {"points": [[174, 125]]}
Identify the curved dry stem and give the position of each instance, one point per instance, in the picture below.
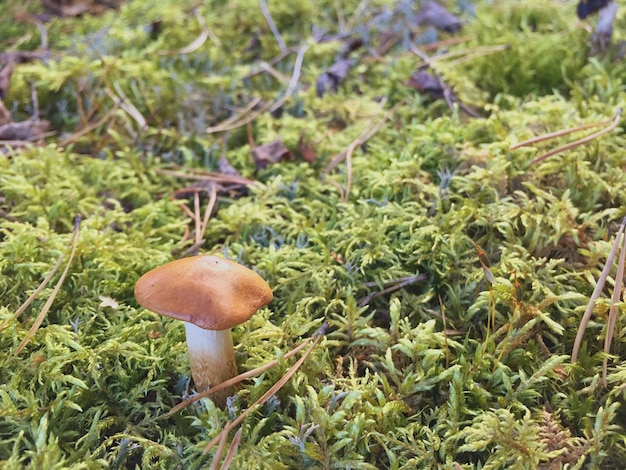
{"points": [[55, 291], [236, 380], [596, 293], [585, 140]]}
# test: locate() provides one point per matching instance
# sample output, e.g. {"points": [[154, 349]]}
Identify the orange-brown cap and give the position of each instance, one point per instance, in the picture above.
{"points": [[208, 291]]}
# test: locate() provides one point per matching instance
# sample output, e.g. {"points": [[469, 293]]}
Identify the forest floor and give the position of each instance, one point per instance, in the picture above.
{"points": [[434, 192]]}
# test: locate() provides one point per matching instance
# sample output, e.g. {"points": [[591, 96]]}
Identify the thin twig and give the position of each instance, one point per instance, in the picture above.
{"points": [[403, 283], [124, 103], [244, 119], [232, 450], [55, 291], [272, 25], [209, 209], [584, 140], [610, 324], [552, 135], [468, 54], [218, 452], [85, 130], [277, 386], [236, 380], [295, 76], [35, 102], [196, 216], [596, 293], [364, 137], [35, 293], [209, 176], [196, 43], [224, 125]]}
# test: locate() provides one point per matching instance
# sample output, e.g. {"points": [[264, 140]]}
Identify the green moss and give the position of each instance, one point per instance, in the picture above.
{"points": [[391, 385]]}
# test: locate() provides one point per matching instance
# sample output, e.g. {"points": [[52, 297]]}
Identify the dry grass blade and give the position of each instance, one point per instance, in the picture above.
{"points": [[400, 284], [553, 135], [196, 43], [596, 293], [123, 102], [470, 54], [272, 25], [610, 324], [218, 453], [34, 295], [55, 291], [613, 124], [234, 445], [237, 379], [209, 209], [277, 386], [225, 125], [244, 119], [209, 176], [90, 127], [364, 137]]}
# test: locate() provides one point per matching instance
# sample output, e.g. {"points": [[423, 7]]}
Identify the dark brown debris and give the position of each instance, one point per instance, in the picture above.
{"points": [[72, 8], [306, 150], [334, 76], [435, 15], [6, 71], [29, 130], [272, 152], [434, 88], [429, 85]]}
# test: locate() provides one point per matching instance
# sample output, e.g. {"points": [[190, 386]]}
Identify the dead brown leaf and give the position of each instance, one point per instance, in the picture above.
{"points": [[434, 88], [437, 16], [428, 84], [333, 76], [306, 150], [272, 152]]}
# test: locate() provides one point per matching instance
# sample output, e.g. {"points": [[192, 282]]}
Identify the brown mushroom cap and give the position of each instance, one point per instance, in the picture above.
{"points": [[208, 291]]}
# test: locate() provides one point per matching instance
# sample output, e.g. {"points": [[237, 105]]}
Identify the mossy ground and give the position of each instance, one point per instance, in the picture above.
{"points": [[391, 386]]}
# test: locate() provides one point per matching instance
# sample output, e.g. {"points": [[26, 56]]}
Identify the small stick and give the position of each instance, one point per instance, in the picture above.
{"points": [[35, 293], [74, 137], [196, 217], [55, 291], [470, 54], [196, 43], [218, 452], [596, 293], [269, 107], [209, 209], [236, 380], [209, 176], [364, 137], [277, 386], [560, 133], [584, 140], [232, 450], [402, 283], [610, 324], [272, 25], [235, 117]]}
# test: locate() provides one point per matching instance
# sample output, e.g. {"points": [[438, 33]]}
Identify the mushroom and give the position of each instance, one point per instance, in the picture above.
{"points": [[211, 295]]}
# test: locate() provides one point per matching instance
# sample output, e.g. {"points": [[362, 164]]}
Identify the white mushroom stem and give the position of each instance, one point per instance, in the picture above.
{"points": [[212, 359]]}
